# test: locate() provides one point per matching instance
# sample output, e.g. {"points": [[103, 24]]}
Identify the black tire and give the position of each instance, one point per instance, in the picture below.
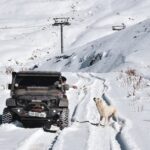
{"points": [[7, 116], [63, 123], [46, 126]]}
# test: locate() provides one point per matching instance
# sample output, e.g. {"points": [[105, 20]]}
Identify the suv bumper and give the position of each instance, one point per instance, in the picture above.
{"points": [[31, 115]]}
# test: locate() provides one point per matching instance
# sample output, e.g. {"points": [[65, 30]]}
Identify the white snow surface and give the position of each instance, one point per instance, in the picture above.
{"points": [[104, 63]]}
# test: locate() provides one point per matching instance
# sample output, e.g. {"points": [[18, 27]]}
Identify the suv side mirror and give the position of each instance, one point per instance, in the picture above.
{"points": [[9, 86], [66, 87]]}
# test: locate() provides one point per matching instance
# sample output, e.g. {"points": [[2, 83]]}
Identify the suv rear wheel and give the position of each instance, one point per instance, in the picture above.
{"points": [[7, 116]]}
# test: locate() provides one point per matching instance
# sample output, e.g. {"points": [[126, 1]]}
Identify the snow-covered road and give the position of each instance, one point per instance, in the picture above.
{"points": [[16, 138], [83, 132]]}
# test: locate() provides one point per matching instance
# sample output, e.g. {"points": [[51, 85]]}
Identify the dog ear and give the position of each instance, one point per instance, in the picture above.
{"points": [[94, 98]]}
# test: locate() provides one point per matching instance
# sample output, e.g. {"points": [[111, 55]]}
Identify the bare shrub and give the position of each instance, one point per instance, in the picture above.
{"points": [[134, 83], [9, 69], [131, 72], [132, 80]]}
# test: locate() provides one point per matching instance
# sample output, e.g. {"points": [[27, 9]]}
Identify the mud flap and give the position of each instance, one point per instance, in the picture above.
{"points": [[51, 129], [48, 127]]}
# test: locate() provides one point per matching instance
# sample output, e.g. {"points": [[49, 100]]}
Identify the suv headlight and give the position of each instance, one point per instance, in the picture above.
{"points": [[20, 102], [53, 101]]}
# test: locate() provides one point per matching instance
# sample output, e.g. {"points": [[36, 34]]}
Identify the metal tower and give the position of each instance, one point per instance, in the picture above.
{"points": [[61, 22]]}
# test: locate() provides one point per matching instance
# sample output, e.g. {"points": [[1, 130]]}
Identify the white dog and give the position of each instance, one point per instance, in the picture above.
{"points": [[105, 111]]}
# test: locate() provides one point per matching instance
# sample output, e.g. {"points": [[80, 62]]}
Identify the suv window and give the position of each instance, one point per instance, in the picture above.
{"points": [[24, 81]]}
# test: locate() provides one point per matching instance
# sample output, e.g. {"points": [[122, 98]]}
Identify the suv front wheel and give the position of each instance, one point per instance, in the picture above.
{"points": [[64, 119], [7, 116]]}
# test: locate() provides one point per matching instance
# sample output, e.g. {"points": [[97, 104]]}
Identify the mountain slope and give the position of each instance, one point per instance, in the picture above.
{"points": [[26, 27], [128, 48]]}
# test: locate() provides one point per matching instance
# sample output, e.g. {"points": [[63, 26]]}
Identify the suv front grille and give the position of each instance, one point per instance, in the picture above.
{"points": [[47, 104]]}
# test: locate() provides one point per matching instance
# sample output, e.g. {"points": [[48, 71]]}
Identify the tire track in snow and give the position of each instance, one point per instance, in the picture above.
{"points": [[102, 138], [82, 135], [122, 136], [110, 142], [88, 92], [39, 140], [74, 137], [106, 88], [84, 95], [77, 134], [24, 139]]}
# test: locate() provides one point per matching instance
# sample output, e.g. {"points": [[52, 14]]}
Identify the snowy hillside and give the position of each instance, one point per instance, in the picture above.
{"points": [[128, 48], [26, 27], [102, 62]]}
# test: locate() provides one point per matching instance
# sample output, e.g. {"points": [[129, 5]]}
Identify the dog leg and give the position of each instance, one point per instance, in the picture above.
{"points": [[101, 119], [109, 118], [106, 120], [115, 117]]}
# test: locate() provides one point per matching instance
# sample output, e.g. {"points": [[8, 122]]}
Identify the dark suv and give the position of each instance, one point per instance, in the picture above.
{"points": [[37, 100]]}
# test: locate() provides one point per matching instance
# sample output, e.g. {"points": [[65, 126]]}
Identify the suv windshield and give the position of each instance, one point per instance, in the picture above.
{"points": [[24, 81]]}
